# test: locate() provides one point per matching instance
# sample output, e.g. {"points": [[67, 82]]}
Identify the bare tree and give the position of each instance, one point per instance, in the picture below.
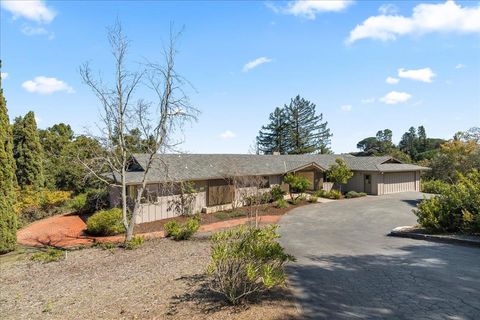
{"points": [[157, 120]]}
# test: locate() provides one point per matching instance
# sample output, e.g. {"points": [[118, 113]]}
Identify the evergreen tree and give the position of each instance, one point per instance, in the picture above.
{"points": [[422, 139], [306, 132], [409, 143], [273, 137], [8, 218], [28, 152]]}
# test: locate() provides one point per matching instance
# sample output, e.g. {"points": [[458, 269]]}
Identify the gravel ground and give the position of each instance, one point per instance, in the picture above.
{"points": [[161, 280]]}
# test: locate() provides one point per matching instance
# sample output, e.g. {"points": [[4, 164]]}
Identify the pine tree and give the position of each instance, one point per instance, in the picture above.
{"points": [[8, 218], [306, 132], [28, 152], [273, 137], [409, 143], [422, 139]]}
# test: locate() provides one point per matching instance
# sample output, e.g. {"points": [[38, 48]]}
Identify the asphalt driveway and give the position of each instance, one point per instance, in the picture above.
{"points": [[348, 268]]}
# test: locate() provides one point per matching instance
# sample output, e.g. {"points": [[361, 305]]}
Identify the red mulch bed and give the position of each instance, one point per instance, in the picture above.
{"points": [[208, 218]]}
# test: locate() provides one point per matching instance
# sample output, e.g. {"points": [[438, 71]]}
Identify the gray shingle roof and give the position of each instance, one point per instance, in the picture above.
{"points": [[182, 167]]}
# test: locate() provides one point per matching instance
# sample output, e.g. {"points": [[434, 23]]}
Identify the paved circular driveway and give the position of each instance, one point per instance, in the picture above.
{"points": [[348, 268]]}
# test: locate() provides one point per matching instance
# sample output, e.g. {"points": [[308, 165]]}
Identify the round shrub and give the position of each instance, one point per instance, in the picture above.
{"points": [[313, 199], [277, 193], [281, 203], [434, 186], [106, 223]]}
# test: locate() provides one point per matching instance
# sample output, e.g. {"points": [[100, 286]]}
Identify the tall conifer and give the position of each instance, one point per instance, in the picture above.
{"points": [[8, 218]]}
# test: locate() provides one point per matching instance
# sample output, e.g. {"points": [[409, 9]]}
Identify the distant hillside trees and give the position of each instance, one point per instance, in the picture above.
{"points": [[413, 146], [28, 152], [8, 218], [295, 129]]}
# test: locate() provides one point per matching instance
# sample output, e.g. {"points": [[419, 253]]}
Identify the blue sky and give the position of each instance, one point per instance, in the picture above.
{"points": [[246, 58]]}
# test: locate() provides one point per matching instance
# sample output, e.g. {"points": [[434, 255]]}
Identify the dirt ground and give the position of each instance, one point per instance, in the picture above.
{"points": [[163, 279]]}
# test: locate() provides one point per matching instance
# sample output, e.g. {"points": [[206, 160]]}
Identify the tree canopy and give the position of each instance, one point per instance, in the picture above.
{"points": [[28, 152], [295, 129]]}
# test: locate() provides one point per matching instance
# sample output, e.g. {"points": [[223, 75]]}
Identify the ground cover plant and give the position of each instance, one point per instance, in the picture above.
{"points": [[354, 194], [181, 231]]}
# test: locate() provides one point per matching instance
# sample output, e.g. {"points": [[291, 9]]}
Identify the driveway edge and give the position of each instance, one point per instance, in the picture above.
{"points": [[406, 232]]}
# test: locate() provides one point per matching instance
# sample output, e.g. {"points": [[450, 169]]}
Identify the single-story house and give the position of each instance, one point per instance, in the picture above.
{"points": [[213, 176]]}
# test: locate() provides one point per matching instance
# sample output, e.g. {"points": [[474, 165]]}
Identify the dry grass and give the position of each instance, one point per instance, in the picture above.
{"points": [[163, 279]]}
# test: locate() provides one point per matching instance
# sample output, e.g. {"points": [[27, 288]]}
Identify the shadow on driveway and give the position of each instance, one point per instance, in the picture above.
{"points": [[417, 283]]}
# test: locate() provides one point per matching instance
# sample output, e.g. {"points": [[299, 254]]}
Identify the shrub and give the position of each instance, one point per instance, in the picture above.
{"points": [[106, 245], [277, 193], [34, 204], [433, 186], [96, 199], [106, 223], [313, 199], [78, 203], [281, 203], [171, 228], [50, 255], [246, 261], [297, 184], [294, 201], [332, 194], [302, 197], [354, 194], [455, 209], [134, 243], [182, 231]]}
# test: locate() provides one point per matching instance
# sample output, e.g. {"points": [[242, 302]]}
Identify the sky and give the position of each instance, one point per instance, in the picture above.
{"points": [[367, 65]]}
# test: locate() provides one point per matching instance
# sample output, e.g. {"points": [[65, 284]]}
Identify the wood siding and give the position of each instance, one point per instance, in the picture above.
{"points": [[160, 209], [355, 183]]}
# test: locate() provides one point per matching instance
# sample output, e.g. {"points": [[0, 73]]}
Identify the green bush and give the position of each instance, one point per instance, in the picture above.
{"points": [[354, 194], [96, 199], [281, 203], [183, 231], [78, 203], [134, 243], [105, 245], [106, 223], [433, 186], [455, 209], [294, 201], [246, 261], [50, 255], [332, 194], [313, 199], [277, 193]]}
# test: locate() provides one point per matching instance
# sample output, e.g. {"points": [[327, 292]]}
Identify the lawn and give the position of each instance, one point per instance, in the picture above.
{"points": [[163, 279]]}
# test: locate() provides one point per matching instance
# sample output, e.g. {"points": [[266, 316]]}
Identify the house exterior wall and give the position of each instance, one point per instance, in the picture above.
{"points": [[355, 183]]}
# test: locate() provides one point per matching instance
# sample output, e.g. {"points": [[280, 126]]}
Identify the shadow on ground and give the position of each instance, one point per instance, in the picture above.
{"points": [[207, 302], [419, 282]]}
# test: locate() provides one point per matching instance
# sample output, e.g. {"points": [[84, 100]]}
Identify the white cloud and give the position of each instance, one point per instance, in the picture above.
{"points": [[425, 74], [255, 63], [310, 8], [368, 100], [346, 108], [426, 17], [46, 85], [395, 97], [3, 75], [36, 31], [460, 66], [227, 135], [392, 80], [34, 10], [388, 8]]}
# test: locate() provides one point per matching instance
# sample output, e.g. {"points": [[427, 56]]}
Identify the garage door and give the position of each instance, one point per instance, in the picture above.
{"points": [[398, 182]]}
